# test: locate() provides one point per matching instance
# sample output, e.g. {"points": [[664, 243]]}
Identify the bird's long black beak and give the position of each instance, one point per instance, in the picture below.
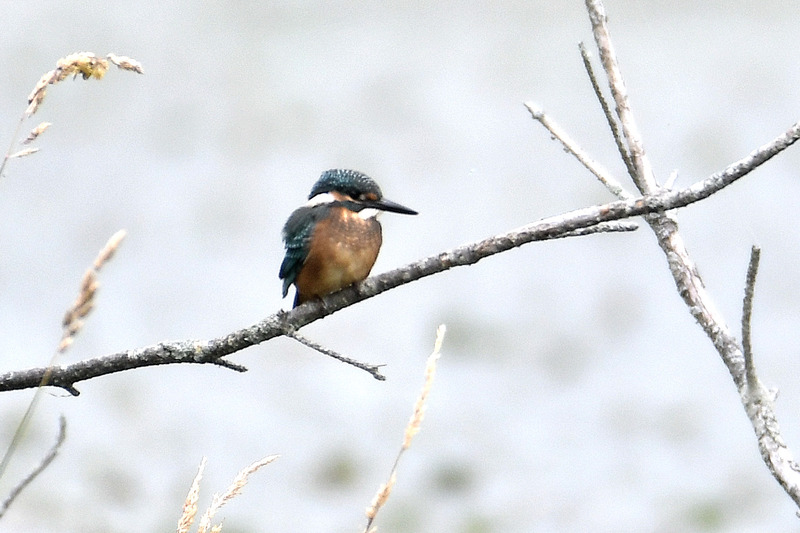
{"points": [[388, 205]]}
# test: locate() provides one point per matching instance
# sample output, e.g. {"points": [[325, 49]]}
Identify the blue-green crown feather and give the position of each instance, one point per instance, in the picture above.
{"points": [[350, 182]]}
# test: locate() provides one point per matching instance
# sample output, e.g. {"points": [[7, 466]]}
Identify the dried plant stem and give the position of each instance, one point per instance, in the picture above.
{"points": [[190, 503], [412, 428], [14, 138], [36, 132], [85, 64], [72, 324], [84, 303], [234, 489], [44, 463]]}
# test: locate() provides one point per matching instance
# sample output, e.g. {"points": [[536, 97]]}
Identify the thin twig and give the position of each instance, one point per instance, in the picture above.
{"points": [[643, 175], [747, 311], [375, 370], [610, 118], [45, 462], [604, 227], [600, 172]]}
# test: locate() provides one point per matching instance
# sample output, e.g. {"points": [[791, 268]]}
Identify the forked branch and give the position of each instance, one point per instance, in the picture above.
{"points": [[757, 401]]}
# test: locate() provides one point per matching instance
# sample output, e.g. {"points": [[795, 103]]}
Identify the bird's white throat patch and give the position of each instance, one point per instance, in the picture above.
{"points": [[369, 212]]}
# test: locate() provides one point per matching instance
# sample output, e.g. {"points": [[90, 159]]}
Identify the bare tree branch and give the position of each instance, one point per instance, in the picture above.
{"points": [[652, 205], [212, 351], [758, 405]]}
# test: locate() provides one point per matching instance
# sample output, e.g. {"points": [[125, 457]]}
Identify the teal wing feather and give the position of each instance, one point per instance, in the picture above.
{"points": [[297, 233]]}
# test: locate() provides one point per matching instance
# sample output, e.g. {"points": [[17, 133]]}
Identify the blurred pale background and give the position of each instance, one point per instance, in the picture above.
{"points": [[574, 393]]}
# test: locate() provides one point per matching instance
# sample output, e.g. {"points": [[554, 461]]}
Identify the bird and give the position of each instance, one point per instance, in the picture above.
{"points": [[333, 240]]}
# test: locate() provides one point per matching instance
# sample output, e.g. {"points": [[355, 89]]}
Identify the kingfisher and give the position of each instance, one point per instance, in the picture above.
{"points": [[333, 240]]}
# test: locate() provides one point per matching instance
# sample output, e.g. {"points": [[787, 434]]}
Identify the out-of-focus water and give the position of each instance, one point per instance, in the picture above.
{"points": [[574, 393]]}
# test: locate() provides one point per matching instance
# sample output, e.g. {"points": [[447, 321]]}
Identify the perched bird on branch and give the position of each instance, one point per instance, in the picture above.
{"points": [[333, 240]]}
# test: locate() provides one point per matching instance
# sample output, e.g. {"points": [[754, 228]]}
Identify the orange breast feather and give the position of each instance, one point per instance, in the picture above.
{"points": [[342, 250]]}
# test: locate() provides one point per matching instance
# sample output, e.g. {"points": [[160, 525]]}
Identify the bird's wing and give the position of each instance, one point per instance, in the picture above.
{"points": [[297, 234]]}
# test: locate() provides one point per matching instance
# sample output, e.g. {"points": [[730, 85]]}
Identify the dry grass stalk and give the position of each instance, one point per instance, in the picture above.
{"points": [[126, 63], [108, 250], [419, 408], [85, 64], [84, 303], [35, 132], [381, 496], [190, 504], [235, 488], [412, 428], [23, 153], [71, 325]]}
